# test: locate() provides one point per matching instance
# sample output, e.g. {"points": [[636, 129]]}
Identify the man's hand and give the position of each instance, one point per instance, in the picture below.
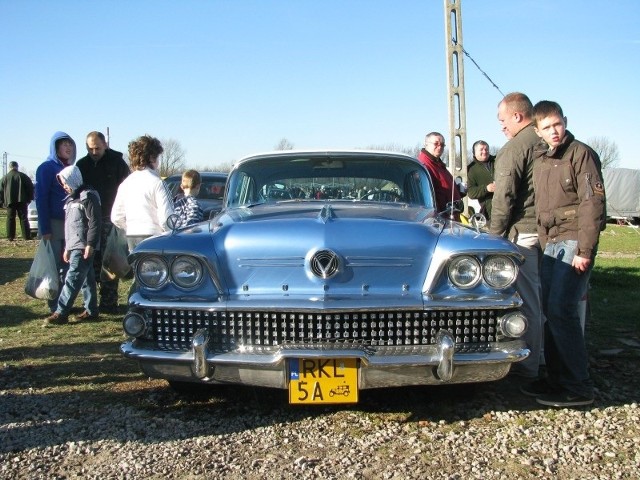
{"points": [[88, 251], [491, 187], [580, 264], [47, 236], [65, 256]]}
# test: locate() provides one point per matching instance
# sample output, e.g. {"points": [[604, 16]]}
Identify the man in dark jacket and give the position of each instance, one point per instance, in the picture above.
{"points": [[16, 192], [570, 210], [513, 215], [480, 184], [104, 169]]}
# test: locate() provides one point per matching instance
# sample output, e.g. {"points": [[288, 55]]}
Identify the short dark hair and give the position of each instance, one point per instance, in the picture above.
{"points": [[478, 142], [13, 165], [143, 150], [546, 108]]}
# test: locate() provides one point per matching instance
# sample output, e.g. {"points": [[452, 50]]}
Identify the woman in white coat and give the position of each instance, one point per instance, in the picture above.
{"points": [[143, 202]]}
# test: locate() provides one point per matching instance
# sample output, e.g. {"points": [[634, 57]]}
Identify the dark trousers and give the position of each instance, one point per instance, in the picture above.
{"points": [[108, 289], [565, 350], [18, 209]]}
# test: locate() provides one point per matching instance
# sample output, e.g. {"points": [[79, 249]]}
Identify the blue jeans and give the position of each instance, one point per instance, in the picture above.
{"points": [[564, 346], [80, 276]]}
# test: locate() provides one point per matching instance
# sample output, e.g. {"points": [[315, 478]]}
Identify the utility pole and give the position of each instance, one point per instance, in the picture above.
{"points": [[4, 163], [455, 75]]}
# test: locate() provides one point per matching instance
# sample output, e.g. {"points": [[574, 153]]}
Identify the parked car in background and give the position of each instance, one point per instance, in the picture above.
{"points": [[326, 273], [32, 217], [211, 191]]}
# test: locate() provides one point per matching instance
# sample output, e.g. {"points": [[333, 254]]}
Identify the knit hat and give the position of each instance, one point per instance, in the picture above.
{"points": [[71, 176]]}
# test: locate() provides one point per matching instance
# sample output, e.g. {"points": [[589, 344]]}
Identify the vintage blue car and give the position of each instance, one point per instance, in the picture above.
{"points": [[326, 273]]}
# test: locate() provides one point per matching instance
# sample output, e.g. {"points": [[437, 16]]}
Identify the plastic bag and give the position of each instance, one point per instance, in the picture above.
{"points": [[114, 259], [43, 281]]}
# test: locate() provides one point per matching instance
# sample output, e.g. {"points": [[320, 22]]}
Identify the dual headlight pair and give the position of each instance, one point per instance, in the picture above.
{"points": [[154, 272], [497, 271]]}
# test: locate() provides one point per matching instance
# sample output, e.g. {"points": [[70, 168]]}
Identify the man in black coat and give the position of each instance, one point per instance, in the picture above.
{"points": [[16, 192], [104, 169]]}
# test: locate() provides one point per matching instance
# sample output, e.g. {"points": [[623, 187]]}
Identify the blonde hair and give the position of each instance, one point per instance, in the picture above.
{"points": [[190, 179]]}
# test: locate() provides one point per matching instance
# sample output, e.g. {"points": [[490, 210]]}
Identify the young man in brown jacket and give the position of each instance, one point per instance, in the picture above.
{"points": [[570, 212]]}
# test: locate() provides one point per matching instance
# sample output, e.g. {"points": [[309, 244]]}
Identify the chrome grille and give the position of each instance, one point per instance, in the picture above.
{"points": [[173, 329]]}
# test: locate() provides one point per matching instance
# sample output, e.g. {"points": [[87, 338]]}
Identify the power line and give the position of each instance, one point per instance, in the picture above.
{"points": [[455, 42]]}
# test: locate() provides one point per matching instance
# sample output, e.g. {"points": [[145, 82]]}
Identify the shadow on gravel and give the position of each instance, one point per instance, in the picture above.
{"points": [[106, 399]]}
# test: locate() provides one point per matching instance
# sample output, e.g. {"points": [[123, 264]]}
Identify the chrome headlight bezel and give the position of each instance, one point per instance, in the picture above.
{"points": [[186, 272], [513, 325], [499, 271], [465, 271], [152, 272]]}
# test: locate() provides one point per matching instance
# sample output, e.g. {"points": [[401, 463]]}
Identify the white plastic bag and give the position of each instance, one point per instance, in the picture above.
{"points": [[43, 281]]}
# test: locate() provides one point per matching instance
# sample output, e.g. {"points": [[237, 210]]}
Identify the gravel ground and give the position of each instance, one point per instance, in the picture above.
{"points": [[142, 429]]}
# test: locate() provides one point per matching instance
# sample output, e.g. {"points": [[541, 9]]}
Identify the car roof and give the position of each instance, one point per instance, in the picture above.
{"points": [[324, 153]]}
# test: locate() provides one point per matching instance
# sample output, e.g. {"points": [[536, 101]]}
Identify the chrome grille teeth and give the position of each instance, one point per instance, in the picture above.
{"points": [[174, 329]]}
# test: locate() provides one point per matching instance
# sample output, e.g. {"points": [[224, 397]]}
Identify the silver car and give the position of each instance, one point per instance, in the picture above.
{"points": [[326, 273], [32, 217]]}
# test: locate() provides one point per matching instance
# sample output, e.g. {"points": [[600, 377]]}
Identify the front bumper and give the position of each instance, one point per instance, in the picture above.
{"points": [[379, 367]]}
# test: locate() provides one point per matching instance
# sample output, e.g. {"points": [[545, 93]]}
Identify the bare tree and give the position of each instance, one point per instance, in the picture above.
{"points": [[172, 159], [606, 150], [284, 144]]}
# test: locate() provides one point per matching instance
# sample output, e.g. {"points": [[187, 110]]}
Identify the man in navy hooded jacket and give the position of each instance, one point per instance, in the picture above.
{"points": [[50, 196]]}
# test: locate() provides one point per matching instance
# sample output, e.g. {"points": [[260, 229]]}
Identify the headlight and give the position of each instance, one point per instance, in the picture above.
{"points": [[152, 272], [513, 325], [500, 271], [465, 271], [186, 272], [134, 325]]}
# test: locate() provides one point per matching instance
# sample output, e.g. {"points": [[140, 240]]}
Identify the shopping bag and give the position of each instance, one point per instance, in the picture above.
{"points": [[43, 281], [114, 258]]}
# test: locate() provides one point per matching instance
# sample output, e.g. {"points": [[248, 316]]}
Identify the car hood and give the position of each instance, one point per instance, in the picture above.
{"points": [[380, 249], [386, 251]]}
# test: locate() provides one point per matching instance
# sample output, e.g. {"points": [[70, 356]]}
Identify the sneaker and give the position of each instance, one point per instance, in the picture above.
{"points": [[55, 319], [85, 316], [536, 388], [564, 399]]}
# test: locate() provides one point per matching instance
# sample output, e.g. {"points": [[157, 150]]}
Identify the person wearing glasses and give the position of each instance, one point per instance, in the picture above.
{"points": [[443, 184]]}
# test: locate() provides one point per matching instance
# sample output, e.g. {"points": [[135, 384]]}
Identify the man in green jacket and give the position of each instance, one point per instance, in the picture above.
{"points": [[480, 184], [513, 215], [16, 192]]}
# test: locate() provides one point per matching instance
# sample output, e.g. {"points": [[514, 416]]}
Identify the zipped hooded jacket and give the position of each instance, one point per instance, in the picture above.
{"points": [[50, 195], [83, 216], [570, 197]]}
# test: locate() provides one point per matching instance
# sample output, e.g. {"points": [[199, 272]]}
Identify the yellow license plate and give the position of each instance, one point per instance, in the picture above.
{"points": [[323, 380]]}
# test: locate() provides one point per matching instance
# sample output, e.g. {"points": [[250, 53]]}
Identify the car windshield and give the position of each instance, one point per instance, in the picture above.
{"points": [[361, 177]]}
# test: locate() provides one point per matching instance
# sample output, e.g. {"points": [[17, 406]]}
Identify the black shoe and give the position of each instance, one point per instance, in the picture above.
{"points": [[537, 388], [564, 399], [109, 309]]}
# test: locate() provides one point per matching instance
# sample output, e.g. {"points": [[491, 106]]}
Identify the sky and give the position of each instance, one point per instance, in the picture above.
{"points": [[229, 78]]}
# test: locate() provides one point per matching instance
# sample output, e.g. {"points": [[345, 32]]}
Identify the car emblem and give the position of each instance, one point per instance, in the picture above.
{"points": [[324, 264]]}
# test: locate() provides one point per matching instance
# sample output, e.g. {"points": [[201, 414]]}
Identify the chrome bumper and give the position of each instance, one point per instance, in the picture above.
{"points": [[378, 367]]}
